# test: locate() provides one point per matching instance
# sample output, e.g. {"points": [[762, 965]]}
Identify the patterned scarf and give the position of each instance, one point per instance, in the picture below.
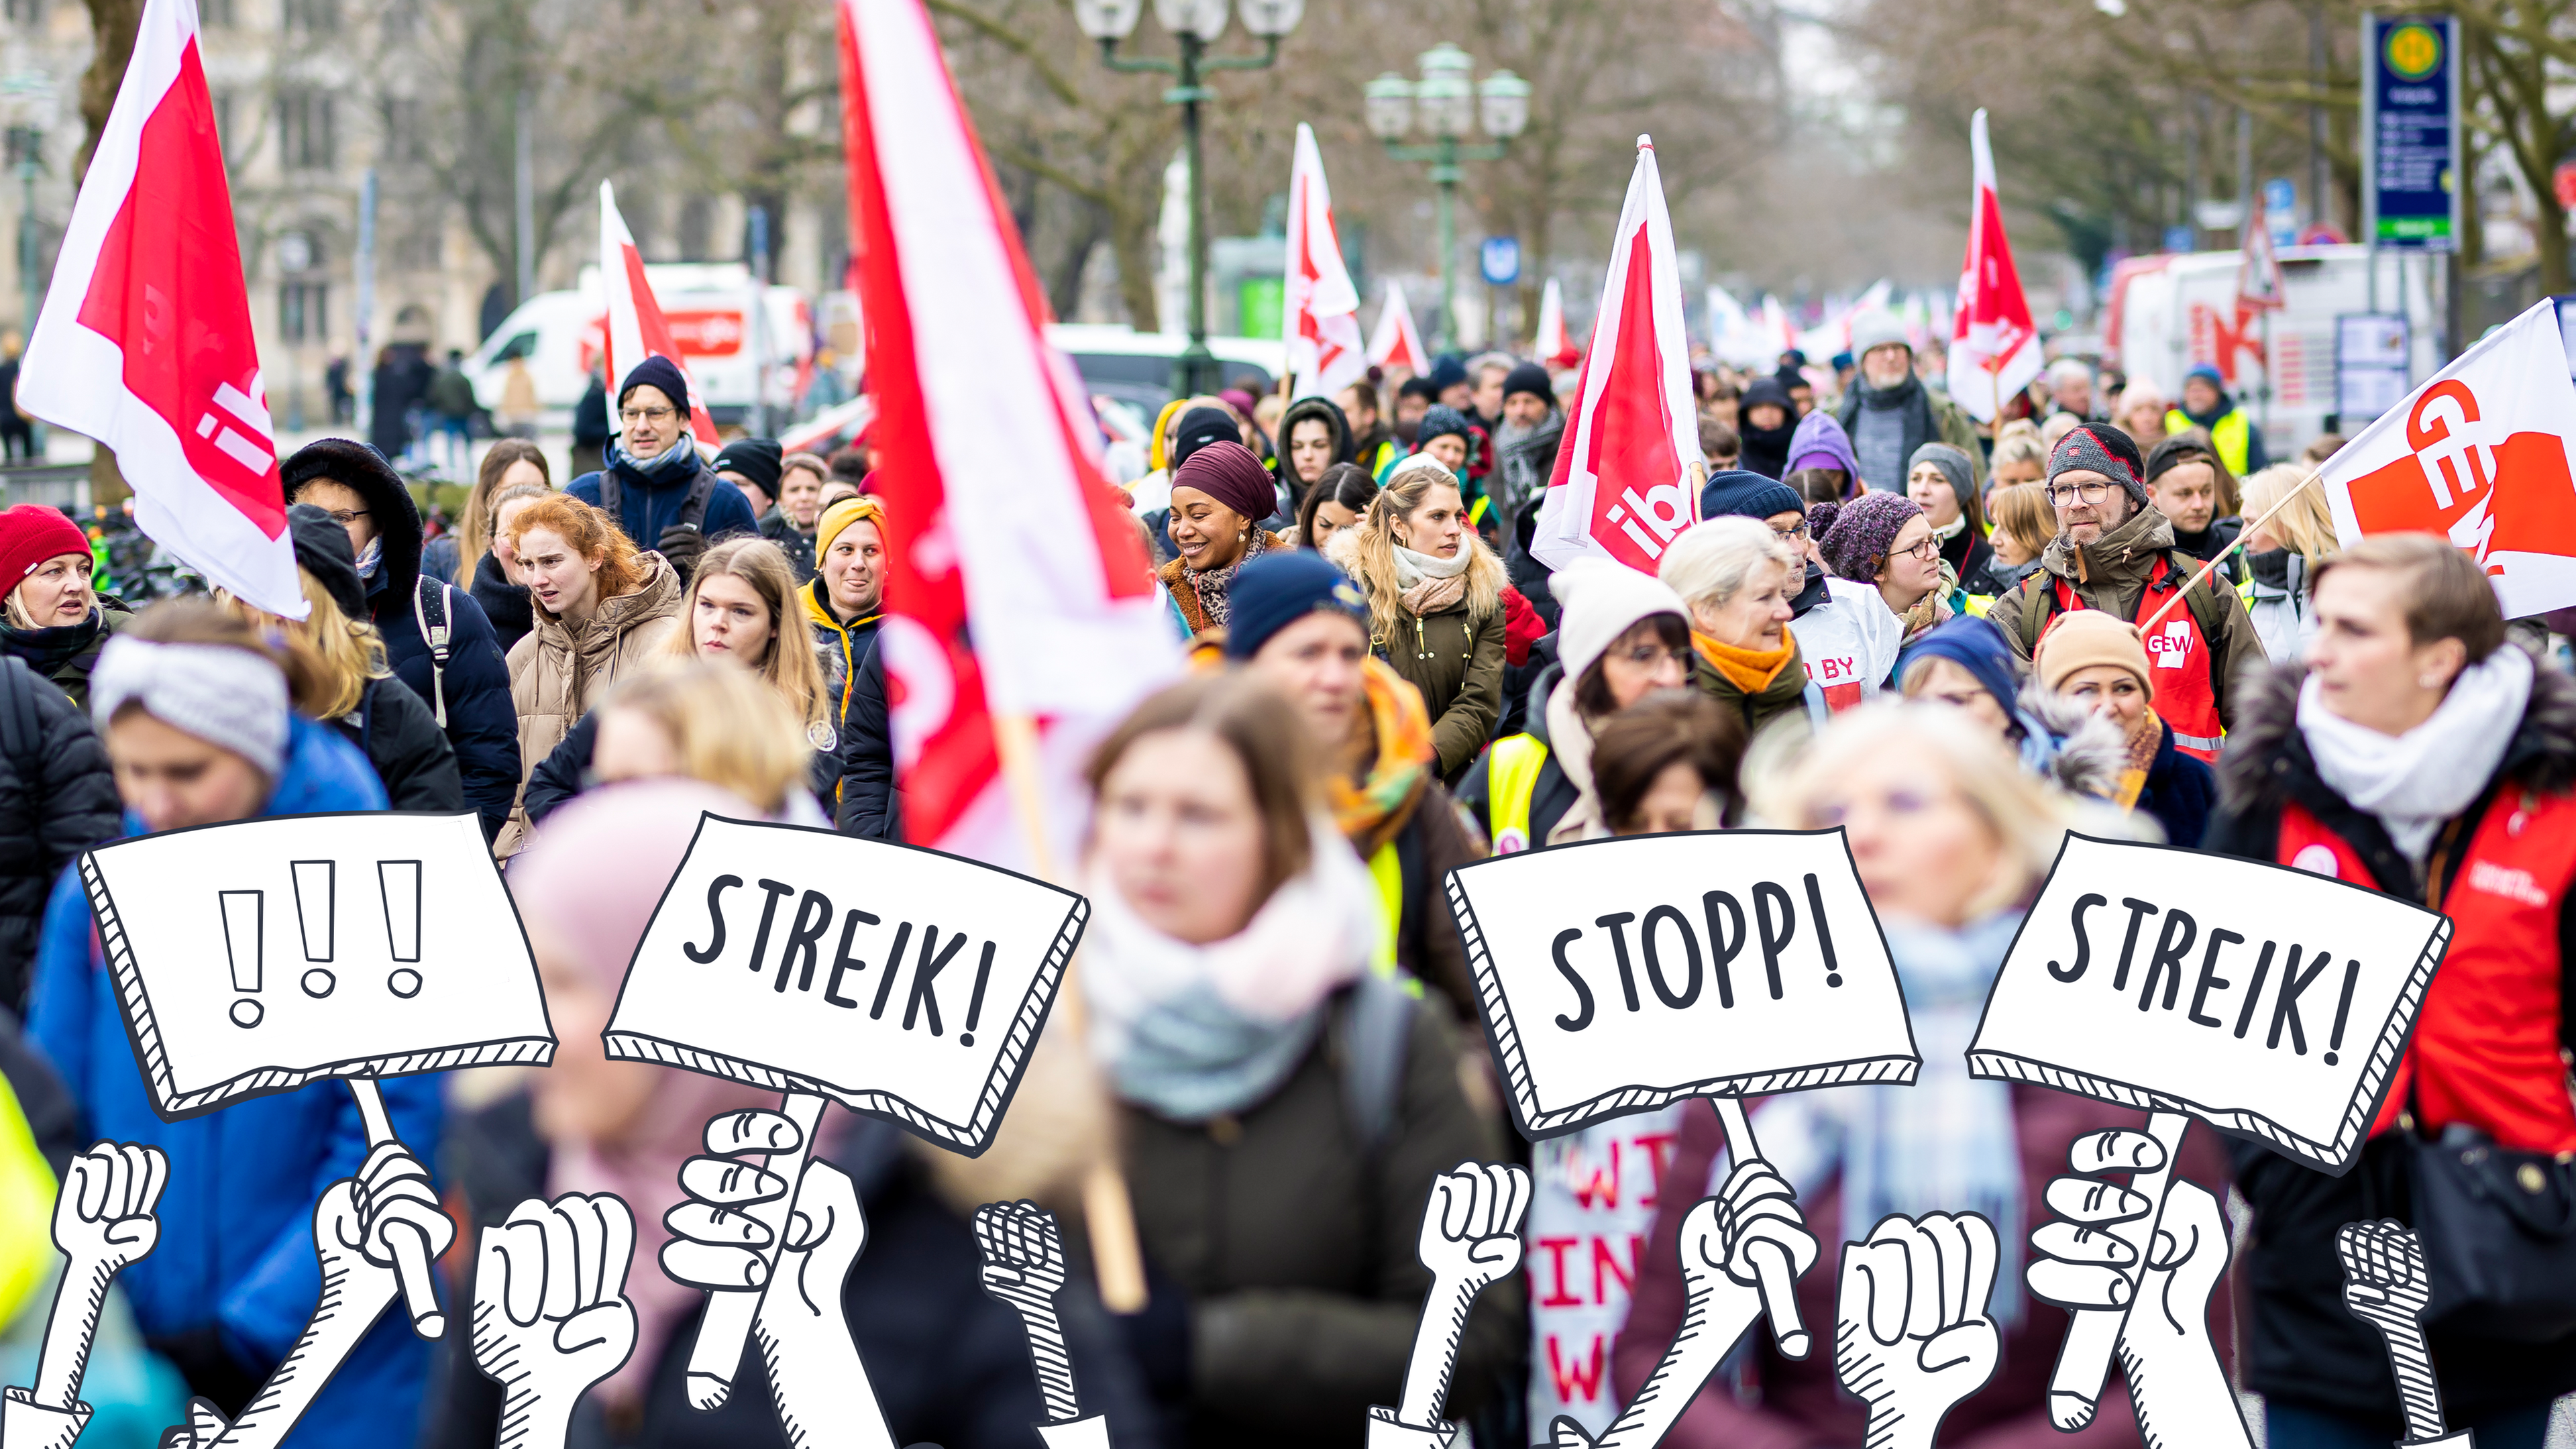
{"points": [[1369, 812], [1750, 670], [1933, 609], [1212, 585], [2143, 743]]}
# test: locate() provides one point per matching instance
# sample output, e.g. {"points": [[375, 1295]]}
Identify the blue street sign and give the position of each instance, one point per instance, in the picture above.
{"points": [[2177, 238], [2410, 126], [2280, 197], [1502, 258]]}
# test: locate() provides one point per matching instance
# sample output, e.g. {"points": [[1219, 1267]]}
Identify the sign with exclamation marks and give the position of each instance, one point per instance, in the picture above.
{"points": [[903, 983], [2266, 1000], [395, 941]]}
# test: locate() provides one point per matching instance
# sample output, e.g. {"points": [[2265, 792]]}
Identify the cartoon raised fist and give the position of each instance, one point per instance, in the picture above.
{"points": [[103, 1217], [1024, 1267], [550, 1311], [1912, 1337], [1471, 1227]]}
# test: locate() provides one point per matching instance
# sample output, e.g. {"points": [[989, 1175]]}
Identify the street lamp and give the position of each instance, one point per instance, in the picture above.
{"points": [[1195, 24], [1447, 106]]}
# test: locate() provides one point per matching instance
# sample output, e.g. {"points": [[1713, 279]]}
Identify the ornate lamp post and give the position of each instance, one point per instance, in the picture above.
{"points": [[1196, 24], [1446, 105]]}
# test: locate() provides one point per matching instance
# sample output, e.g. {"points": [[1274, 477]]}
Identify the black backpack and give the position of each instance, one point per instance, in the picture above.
{"points": [[693, 509]]}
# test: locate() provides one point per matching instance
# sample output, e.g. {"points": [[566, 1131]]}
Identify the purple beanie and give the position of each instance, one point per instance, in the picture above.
{"points": [[1228, 473], [1856, 546], [1820, 442]]}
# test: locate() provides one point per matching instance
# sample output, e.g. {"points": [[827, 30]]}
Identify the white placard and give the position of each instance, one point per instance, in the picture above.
{"points": [[2266, 1001], [255, 956], [1617, 975], [901, 982]]}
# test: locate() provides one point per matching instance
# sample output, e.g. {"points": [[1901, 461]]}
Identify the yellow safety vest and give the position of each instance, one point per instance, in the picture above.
{"points": [[1511, 780], [2231, 435], [1387, 869]]}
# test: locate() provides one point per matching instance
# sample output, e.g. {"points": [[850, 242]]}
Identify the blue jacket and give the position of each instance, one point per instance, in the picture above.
{"points": [[236, 1250], [649, 506]]}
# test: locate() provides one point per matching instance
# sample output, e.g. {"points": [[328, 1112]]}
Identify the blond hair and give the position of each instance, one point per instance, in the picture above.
{"points": [[330, 657], [1712, 560], [726, 728], [2017, 443], [1372, 547], [2028, 819], [788, 665], [2307, 525]]}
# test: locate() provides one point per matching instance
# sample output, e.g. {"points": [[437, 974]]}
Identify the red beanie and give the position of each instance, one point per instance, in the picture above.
{"points": [[30, 534]]}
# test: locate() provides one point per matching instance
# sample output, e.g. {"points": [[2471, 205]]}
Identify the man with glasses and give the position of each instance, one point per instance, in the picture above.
{"points": [[1847, 639], [657, 487], [2116, 553]]}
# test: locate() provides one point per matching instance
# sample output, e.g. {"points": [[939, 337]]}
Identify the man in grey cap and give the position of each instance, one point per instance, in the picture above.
{"points": [[1890, 413]]}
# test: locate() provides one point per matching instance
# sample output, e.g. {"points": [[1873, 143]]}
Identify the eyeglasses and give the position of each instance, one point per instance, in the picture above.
{"points": [[1648, 656], [2091, 493], [341, 516], [655, 416], [1795, 533], [1928, 550]]}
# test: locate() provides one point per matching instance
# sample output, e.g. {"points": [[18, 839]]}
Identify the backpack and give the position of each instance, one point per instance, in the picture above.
{"points": [[693, 509], [22, 728], [430, 614]]}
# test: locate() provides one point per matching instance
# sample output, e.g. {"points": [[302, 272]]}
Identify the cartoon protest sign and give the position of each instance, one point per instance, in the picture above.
{"points": [[1618, 975], [2267, 1001], [255, 956]]}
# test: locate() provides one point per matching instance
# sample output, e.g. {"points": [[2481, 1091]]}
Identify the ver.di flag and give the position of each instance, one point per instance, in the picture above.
{"points": [[2479, 454], [636, 327], [1322, 308], [1395, 344], [1627, 472], [145, 339], [1994, 348], [1553, 347]]}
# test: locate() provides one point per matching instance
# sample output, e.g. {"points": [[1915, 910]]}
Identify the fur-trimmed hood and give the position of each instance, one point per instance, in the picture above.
{"points": [[2089, 752], [2265, 754]]}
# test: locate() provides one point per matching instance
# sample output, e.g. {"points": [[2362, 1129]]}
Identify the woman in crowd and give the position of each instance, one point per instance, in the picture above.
{"points": [[2420, 753], [56, 796], [1847, 640], [601, 610], [740, 610], [2024, 523], [1447, 438], [1939, 481], [2189, 485], [1435, 604], [496, 584], [2281, 557], [194, 709], [1621, 637], [1301, 625], [1884, 539], [2019, 458], [1766, 421], [1220, 494], [1738, 578], [509, 463], [2095, 661], [1227, 973], [2141, 413], [53, 619], [1668, 763], [1967, 665], [1339, 500], [1822, 466], [1952, 841], [1313, 437]]}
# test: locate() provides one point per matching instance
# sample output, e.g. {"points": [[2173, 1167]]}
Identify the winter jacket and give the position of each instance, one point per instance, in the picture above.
{"points": [[845, 645], [233, 1279], [505, 605], [66, 654], [1799, 1403], [401, 741], [649, 504], [57, 799], [871, 797], [2280, 600], [1281, 472], [1969, 557], [2111, 574], [1190, 616], [1521, 471], [1848, 643], [2179, 793], [1786, 694], [1296, 1244], [2305, 1349], [1923, 416], [559, 670], [1430, 841], [2206, 544], [780, 530], [565, 772], [1456, 660]]}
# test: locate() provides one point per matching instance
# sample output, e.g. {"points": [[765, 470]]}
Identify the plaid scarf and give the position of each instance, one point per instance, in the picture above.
{"points": [[1371, 811], [1212, 585]]}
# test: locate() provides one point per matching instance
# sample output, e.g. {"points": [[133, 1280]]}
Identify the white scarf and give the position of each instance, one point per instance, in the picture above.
{"points": [[2415, 781], [1944, 532], [1412, 568]]}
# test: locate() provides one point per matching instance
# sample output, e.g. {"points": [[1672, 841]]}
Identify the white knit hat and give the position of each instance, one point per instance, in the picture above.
{"points": [[1601, 600]]}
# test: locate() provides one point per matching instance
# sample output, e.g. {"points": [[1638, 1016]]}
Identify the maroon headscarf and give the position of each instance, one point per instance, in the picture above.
{"points": [[1228, 473]]}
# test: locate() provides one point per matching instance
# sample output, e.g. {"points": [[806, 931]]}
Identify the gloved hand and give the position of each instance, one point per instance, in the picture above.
{"points": [[681, 545]]}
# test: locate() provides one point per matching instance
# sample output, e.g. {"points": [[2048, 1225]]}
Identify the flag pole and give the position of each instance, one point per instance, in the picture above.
{"points": [[1108, 1212], [2313, 478]]}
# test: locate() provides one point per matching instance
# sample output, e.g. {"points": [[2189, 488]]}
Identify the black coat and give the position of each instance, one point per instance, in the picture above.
{"points": [[505, 606], [949, 1364], [2179, 793], [1551, 796], [57, 799], [871, 799], [401, 738], [566, 772]]}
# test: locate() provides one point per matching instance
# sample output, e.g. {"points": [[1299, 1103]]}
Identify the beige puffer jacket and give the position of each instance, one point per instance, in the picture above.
{"points": [[559, 670]]}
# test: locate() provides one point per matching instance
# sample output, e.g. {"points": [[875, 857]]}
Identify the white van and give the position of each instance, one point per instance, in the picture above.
{"points": [[1136, 367], [2170, 312], [709, 308]]}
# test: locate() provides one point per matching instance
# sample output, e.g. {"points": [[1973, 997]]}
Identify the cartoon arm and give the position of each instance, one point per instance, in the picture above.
{"points": [[550, 1311], [1024, 1268], [103, 1221], [2385, 1285], [1470, 1237]]}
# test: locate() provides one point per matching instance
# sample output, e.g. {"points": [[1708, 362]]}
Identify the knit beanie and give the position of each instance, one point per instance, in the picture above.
{"points": [[1598, 601], [660, 373], [1531, 378], [1953, 465], [1856, 546], [1274, 590], [2101, 448], [1738, 493], [1200, 427], [2083, 638], [225, 696], [1228, 473], [1875, 328], [30, 534], [1443, 422], [1978, 647], [844, 513], [322, 550], [757, 459], [1447, 371]]}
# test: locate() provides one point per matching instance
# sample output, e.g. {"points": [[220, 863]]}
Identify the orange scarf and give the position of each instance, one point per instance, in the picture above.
{"points": [[1402, 727], [1749, 670]]}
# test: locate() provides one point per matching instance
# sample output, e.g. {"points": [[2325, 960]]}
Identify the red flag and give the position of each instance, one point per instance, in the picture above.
{"points": [[2258, 280], [145, 341], [1045, 608], [1623, 488], [1395, 344], [636, 327], [1553, 347], [1994, 348], [1322, 308]]}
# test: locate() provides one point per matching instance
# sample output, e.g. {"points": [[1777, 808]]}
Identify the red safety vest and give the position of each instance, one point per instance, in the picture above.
{"points": [[2177, 664], [2486, 1048]]}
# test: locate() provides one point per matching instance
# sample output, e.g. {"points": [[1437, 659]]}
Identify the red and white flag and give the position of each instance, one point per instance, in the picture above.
{"points": [[1994, 348], [1623, 487], [636, 327], [2258, 280], [1553, 347], [2481, 455], [1395, 344], [145, 342], [1322, 308], [1044, 608]]}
